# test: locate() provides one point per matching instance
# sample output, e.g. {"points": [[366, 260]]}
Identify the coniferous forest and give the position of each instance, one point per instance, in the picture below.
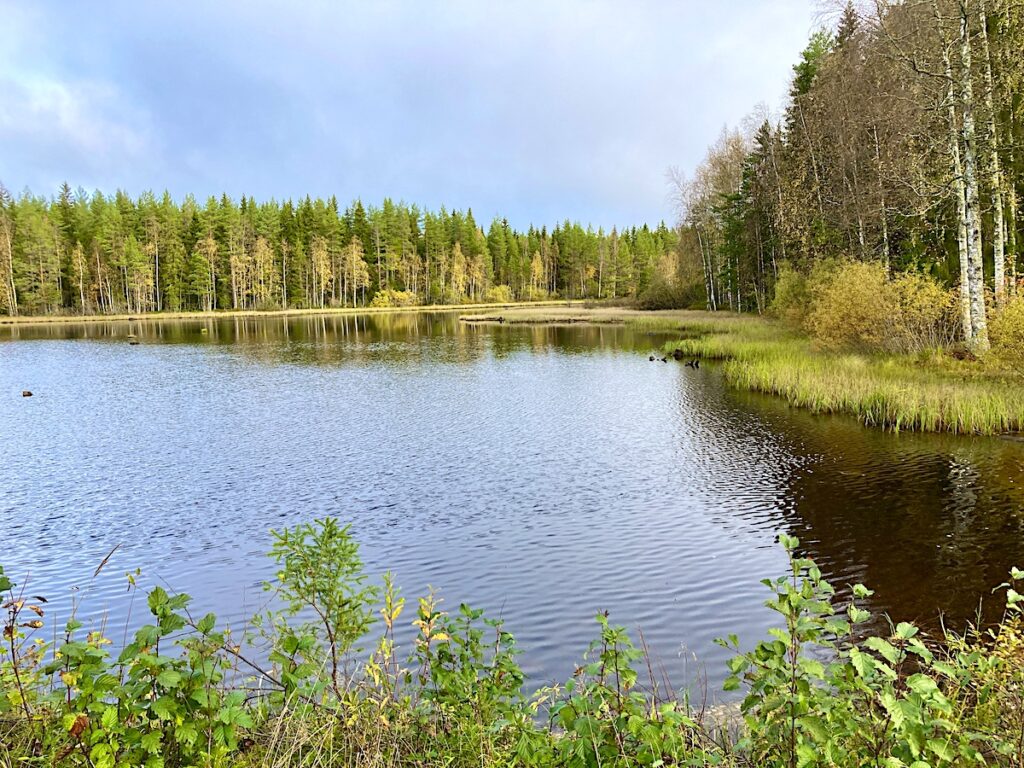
{"points": [[92, 253]]}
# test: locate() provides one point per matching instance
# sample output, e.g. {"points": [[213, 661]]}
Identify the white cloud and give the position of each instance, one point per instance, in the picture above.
{"points": [[86, 117], [537, 110]]}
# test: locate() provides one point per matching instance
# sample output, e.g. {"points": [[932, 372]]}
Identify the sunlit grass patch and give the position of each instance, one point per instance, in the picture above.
{"points": [[929, 392]]}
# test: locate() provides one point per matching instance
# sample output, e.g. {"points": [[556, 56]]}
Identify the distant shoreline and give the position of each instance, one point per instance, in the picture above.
{"points": [[21, 320]]}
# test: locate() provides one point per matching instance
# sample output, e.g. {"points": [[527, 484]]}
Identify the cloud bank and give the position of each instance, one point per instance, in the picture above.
{"points": [[537, 111]]}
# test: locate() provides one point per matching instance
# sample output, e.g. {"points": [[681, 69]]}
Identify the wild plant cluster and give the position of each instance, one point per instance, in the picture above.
{"points": [[184, 693]]}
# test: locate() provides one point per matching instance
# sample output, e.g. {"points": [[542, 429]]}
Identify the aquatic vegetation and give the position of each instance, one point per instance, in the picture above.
{"points": [[184, 692], [916, 392]]}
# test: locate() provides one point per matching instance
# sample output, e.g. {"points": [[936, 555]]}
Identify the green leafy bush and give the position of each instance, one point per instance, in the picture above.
{"points": [[792, 299], [851, 310], [182, 693], [539, 294], [665, 294]]}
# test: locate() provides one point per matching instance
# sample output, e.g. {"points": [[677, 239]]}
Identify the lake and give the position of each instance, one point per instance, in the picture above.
{"points": [[540, 473]]}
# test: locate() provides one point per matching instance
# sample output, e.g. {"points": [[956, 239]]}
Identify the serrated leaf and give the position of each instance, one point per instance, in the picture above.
{"points": [[169, 678], [883, 648], [905, 630], [206, 624], [163, 708], [151, 741], [922, 685], [942, 749]]}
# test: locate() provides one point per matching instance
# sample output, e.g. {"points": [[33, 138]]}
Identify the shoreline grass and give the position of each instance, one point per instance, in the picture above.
{"points": [[930, 392], [7, 320]]}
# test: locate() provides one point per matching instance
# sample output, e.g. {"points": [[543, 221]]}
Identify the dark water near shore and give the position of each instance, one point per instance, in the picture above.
{"points": [[540, 473]]}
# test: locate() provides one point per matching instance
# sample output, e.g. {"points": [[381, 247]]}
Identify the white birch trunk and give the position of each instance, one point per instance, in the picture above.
{"points": [[975, 273], [994, 170]]}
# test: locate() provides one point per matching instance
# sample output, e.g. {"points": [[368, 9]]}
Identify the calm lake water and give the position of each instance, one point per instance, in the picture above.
{"points": [[540, 473]]}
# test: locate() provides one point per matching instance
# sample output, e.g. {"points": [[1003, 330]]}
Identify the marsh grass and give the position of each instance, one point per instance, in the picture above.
{"points": [[928, 392]]}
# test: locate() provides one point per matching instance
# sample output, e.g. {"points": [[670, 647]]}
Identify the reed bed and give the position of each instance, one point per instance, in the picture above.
{"points": [[931, 393]]}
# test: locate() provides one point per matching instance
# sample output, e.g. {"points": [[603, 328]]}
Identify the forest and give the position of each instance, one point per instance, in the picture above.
{"points": [[899, 146], [92, 253]]}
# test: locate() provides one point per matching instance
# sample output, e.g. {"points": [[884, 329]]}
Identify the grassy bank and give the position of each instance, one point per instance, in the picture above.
{"points": [[933, 392], [230, 313], [188, 692]]}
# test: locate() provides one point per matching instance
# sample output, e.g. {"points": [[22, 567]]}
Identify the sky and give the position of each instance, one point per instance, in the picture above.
{"points": [[536, 111]]}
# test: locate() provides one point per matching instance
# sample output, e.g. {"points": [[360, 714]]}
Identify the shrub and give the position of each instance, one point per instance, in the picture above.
{"points": [[818, 692], [923, 316], [389, 297], [499, 294], [539, 294], [792, 300], [1006, 332], [450, 297], [665, 294], [795, 291], [856, 306], [851, 310]]}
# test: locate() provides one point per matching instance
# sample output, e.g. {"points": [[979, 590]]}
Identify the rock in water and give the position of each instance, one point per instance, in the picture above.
{"points": [[26, 393]]}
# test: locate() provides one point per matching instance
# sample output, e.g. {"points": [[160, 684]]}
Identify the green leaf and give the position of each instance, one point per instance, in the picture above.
{"points": [[816, 727], [812, 668], [242, 719], [806, 755], [737, 664], [205, 625], [186, 733], [863, 663], [169, 678], [905, 631], [163, 708], [156, 599], [922, 685], [892, 706], [883, 648], [942, 749], [151, 742], [857, 615]]}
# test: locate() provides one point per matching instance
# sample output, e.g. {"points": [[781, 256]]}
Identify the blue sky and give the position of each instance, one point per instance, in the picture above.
{"points": [[538, 111]]}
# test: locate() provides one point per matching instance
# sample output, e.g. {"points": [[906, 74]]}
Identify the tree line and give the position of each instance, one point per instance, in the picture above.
{"points": [[900, 143], [81, 252]]}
